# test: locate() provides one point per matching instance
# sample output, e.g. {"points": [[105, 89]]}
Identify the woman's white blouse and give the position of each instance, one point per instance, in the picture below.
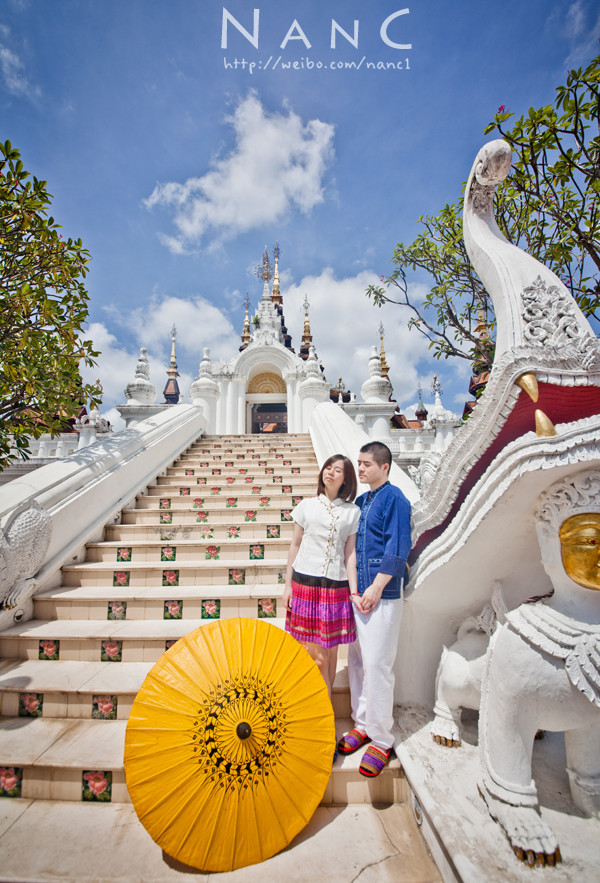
{"points": [[326, 527]]}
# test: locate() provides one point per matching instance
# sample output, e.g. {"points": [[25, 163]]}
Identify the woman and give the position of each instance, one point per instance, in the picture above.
{"points": [[320, 584]]}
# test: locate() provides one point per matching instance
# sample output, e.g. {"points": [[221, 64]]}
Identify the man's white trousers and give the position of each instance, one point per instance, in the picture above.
{"points": [[371, 669]]}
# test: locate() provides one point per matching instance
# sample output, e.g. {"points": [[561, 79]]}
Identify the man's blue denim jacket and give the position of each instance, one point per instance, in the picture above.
{"points": [[383, 538]]}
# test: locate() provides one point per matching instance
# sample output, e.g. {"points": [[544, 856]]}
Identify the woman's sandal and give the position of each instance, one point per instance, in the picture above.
{"points": [[374, 761], [352, 741]]}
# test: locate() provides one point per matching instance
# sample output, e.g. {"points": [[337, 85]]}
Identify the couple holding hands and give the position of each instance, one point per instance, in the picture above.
{"points": [[343, 585]]}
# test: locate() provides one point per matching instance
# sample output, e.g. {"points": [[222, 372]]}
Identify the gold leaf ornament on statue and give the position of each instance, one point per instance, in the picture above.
{"points": [[229, 745]]}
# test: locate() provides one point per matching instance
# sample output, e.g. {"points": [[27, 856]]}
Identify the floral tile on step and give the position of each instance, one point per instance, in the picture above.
{"points": [[169, 644], [168, 553], [121, 578], [264, 501], [116, 610], [49, 650], [189, 471], [211, 609], [173, 610], [201, 516], [207, 533], [295, 470], [233, 531], [256, 551], [184, 491], [11, 780], [267, 608], [273, 531], [198, 503], [166, 518], [31, 704], [229, 463], [104, 708], [237, 577], [231, 503], [262, 462], [296, 500], [240, 456], [269, 470], [279, 456], [212, 553], [124, 553], [215, 490], [286, 515], [216, 471], [170, 577], [164, 503], [204, 465], [281, 577], [277, 479], [96, 785], [230, 479], [286, 489], [111, 651], [256, 489], [287, 462], [250, 515], [242, 471], [201, 480]]}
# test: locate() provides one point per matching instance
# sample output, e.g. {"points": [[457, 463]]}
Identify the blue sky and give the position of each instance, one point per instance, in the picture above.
{"points": [[176, 169]]}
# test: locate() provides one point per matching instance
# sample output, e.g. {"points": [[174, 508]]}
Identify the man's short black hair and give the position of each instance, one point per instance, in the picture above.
{"points": [[380, 452]]}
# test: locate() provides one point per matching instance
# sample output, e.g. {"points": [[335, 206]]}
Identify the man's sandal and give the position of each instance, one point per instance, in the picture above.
{"points": [[352, 741], [374, 761]]}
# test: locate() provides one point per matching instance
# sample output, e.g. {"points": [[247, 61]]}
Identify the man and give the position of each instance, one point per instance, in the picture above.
{"points": [[382, 547]]}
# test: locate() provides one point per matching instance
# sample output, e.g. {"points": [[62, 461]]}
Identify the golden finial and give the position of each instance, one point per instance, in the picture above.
{"points": [[306, 336], [385, 368], [246, 331], [276, 296]]}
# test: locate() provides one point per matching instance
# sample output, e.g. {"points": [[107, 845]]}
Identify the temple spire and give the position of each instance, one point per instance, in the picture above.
{"points": [[246, 336], [306, 335], [276, 295], [385, 368], [421, 410], [171, 390]]}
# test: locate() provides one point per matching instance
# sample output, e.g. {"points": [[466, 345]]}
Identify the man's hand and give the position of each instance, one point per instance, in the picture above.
{"points": [[372, 595]]}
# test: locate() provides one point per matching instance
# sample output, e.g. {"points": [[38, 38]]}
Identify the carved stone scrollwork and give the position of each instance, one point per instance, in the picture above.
{"points": [[24, 542], [551, 321]]}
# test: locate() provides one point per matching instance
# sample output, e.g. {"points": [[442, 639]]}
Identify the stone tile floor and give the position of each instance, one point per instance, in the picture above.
{"points": [[52, 841]]}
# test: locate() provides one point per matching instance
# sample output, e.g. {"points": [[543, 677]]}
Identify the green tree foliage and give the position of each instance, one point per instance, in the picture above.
{"points": [[43, 309], [549, 205]]}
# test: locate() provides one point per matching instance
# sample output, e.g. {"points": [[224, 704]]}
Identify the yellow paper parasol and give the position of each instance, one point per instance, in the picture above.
{"points": [[229, 745]]}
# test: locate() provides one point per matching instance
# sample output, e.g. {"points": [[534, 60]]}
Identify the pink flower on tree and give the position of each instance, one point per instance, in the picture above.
{"points": [[30, 701], [501, 108], [96, 782]]}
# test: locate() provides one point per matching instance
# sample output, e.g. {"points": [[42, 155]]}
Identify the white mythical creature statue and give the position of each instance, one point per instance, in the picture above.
{"points": [[542, 670], [24, 540]]}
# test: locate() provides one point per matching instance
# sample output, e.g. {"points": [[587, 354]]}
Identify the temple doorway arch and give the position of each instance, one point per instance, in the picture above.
{"points": [[266, 403]]}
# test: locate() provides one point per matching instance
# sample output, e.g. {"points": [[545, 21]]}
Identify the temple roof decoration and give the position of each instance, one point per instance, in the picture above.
{"points": [[385, 368], [171, 390], [246, 336]]}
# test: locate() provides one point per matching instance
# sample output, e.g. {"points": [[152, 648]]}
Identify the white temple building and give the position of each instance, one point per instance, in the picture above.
{"points": [[268, 387]]}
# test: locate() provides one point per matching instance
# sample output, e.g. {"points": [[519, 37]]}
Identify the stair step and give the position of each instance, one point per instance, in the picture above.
{"points": [[53, 756], [68, 689]]}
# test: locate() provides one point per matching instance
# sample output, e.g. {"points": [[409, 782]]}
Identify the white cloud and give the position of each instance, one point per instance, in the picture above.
{"points": [[582, 29], [13, 73], [344, 326], [277, 165]]}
